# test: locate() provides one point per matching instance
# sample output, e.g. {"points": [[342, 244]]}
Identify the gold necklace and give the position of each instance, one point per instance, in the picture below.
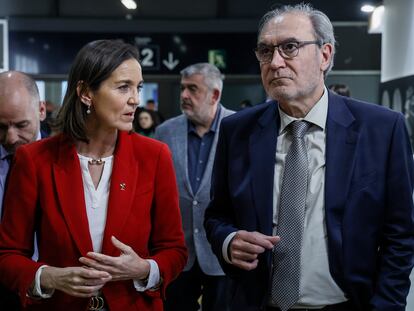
{"points": [[99, 161]]}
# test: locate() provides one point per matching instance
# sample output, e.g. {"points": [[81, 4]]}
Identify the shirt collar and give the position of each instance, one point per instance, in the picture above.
{"points": [[214, 125], [3, 153], [39, 136], [317, 115]]}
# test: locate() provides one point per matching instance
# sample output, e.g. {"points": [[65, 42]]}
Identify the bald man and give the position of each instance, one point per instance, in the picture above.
{"points": [[20, 114]]}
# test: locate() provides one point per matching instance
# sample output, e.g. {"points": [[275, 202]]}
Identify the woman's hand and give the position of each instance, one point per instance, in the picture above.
{"points": [[124, 267], [74, 281]]}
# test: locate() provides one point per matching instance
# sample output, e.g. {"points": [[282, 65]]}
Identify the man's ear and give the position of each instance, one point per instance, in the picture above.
{"points": [[84, 93], [216, 95], [42, 110], [327, 50]]}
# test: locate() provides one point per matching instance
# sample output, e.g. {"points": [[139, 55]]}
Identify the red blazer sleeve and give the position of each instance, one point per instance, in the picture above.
{"points": [[17, 269], [168, 247]]}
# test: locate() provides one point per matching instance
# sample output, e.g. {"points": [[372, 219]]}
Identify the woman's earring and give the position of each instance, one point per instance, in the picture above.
{"points": [[88, 111]]}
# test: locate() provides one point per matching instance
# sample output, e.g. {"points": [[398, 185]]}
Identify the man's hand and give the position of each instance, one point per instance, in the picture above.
{"points": [[246, 246]]}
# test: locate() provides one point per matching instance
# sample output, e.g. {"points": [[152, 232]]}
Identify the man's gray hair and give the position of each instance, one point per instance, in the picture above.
{"points": [[212, 75], [322, 26]]}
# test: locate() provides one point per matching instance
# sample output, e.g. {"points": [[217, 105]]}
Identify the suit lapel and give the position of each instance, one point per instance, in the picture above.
{"points": [[262, 151], [124, 178], [180, 148], [341, 142], [68, 180]]}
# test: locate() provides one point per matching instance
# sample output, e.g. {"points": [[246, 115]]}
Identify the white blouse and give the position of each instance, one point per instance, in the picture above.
{"points": [[96, 199]]}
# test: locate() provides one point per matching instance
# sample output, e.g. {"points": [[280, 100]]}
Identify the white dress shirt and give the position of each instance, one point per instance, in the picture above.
{"points": [[317, 287]]}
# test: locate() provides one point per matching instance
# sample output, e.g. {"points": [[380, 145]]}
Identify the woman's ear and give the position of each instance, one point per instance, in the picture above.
{"points": [[84, 93]]}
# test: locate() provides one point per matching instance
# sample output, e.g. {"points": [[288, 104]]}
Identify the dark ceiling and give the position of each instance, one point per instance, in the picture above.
{"points": [[344, 10]]}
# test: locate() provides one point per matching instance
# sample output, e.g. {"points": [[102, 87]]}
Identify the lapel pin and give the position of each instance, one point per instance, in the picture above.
{"points": [[122, 186]]}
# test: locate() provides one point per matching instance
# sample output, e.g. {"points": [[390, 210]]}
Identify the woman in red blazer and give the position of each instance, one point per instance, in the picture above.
{"points": [[102, 201]]}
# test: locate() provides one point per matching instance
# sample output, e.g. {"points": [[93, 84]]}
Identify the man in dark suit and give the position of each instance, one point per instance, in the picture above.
{"points": [[338, 233], [20, 114]]}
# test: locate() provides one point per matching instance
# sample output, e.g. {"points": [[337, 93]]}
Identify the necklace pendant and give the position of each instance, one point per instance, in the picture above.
{"points": [[95, 161]]}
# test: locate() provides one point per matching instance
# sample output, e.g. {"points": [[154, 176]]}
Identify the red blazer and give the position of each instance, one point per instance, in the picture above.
{"points": [[45, 194]]}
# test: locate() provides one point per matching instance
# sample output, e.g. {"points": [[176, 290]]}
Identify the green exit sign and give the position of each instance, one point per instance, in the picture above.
{"points": [[218, 58]]}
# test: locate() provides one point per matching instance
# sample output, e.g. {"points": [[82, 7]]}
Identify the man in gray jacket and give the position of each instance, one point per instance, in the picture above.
{"points": [[192, 138]]}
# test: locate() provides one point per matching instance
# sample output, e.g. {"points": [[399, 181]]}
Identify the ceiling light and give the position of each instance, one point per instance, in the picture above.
{"points": [[376, 20], [129, 4], [367, 8]]}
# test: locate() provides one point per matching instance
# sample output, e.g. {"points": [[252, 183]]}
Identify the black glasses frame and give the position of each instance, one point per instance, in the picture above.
{"points": [[282, 52]]}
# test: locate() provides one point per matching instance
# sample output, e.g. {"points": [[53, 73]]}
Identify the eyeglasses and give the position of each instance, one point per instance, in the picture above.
{"points": [[287, 50]]}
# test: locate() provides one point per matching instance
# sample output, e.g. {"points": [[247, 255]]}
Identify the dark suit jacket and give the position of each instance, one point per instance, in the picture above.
{"points": [[45, 194], [368, 200]]}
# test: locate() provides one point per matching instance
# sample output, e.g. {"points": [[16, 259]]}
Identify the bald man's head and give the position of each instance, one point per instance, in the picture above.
{"points": [[20, 110]]}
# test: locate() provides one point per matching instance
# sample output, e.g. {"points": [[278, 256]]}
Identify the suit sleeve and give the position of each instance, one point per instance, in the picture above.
{"points": [[157, 135], [17, 269], [220, 219], [397, 244], [167, 239]]}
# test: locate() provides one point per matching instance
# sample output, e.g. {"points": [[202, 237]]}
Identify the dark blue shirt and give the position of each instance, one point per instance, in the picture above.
{"points": [[199, 151]]}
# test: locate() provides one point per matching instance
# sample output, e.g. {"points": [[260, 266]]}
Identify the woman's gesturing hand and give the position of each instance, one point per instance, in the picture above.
{"points": [[75, 281], [124, 267]]}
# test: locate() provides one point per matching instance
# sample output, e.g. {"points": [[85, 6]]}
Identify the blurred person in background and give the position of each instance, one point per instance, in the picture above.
{"points": [[245, 103], [102, 199], [151, 105], [47, 124], [192, 138], [144, 122]]}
